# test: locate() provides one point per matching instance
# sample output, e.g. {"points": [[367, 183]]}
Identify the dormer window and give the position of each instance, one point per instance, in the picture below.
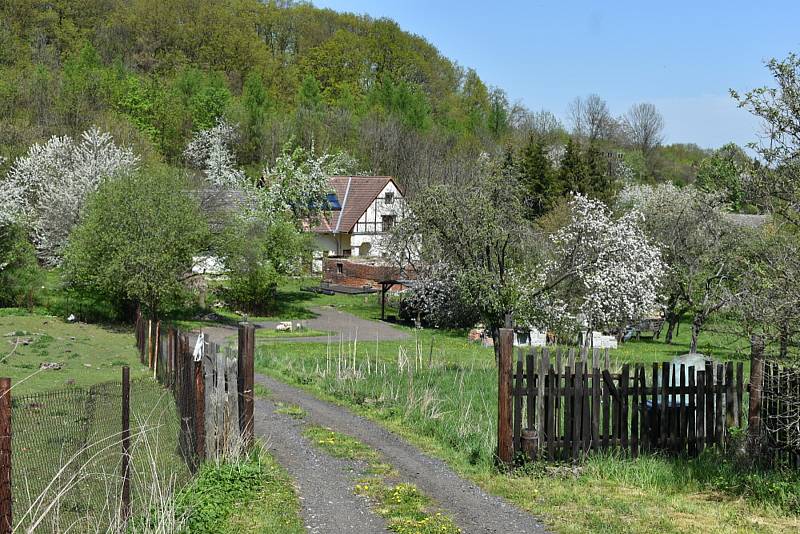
{"points": [[388, 198]]}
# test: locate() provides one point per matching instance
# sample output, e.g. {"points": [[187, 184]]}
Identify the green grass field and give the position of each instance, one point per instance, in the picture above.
{"points": [[439, 391], [86, 353]]}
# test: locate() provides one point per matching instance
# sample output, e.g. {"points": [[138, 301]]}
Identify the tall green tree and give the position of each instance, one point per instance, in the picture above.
{"points": [[539, 183], [598, 182], [572, 173]]}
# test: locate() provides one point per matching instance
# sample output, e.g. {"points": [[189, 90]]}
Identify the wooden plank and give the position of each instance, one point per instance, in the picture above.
{"points": [[691, 414], [219, 402], [569, 411], [559, 403], [210, 398], [595, 405], [655, 415], [505, 443], [672, 409], [606, 414], [586, 424], [199, 403], [530, 389], [607, 359], [577, 390], [571, 360], [730, 401], [682, 421], [595, 358], [719, 420], [518, 405], [634, 443], [740, 394], [246, 381], [624, 383], [663, 438], [709, 394], [540, 396], [233, 431], [701, 411], [550, 408]]}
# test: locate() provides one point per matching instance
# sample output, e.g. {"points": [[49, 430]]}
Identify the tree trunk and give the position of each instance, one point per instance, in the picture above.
{"points": [[672, 320], [697, 326]]}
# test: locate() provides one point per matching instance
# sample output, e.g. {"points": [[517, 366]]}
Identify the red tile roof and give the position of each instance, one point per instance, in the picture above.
{"points": [[355, 194]]}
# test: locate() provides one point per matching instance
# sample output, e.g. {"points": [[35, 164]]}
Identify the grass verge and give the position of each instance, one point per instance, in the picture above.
{"points": [[251, 495], [405, 508]]}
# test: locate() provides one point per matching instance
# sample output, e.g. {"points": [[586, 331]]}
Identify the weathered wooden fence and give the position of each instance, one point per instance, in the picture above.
{"points": [[213, 388], [558, 404]]}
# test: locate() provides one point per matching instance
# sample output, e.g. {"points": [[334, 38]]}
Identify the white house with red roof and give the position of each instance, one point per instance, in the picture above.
{"points": [[363, 210]]}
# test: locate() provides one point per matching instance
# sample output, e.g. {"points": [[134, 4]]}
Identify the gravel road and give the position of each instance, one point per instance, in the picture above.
{"points": [[339, 323], [328, 503], [325, 484]]}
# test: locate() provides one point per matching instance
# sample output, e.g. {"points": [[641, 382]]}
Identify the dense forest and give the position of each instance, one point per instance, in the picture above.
{"points": [[152, 73]]}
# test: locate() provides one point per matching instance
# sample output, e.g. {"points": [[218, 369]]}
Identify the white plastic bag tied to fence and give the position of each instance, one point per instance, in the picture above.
{"points": [[198, 347]]}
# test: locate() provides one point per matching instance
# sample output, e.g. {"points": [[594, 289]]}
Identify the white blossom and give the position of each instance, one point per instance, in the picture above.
{"points": [[49, 185], [299, 181], [209, 151], [611, 271]]}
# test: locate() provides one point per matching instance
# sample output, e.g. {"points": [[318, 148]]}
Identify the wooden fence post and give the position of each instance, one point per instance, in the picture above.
{"points": [[6, 519], [505, 443], [756, 385], [125, 512], [246, 378]]}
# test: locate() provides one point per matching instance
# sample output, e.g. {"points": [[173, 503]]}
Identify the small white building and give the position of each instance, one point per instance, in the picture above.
{"points": [[363, 210]]}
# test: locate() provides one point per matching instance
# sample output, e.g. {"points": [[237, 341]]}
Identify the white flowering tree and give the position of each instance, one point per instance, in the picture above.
{"points": [[298, 181], [13, 195], [602, 267], [701, 246], [49, 185], [209, 150]]}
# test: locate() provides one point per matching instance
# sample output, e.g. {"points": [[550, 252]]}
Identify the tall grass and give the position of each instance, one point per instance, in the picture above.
{"points": [[454, 403]]}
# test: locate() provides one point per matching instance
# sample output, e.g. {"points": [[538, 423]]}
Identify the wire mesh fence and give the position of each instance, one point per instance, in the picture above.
{"points": [[67, 454]]}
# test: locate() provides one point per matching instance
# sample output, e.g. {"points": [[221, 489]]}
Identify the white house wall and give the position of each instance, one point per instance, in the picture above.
{"points": [[374, 213]]}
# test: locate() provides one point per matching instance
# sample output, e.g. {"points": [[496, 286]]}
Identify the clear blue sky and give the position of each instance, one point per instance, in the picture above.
{"points": [[682, 56]]}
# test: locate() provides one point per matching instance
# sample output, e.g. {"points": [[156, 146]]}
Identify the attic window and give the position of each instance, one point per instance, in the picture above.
{"points": [[388, 198]]}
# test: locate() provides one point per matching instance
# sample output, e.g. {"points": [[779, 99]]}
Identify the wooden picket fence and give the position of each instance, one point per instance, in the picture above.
{"points": [[561, 404], [214, 393]]}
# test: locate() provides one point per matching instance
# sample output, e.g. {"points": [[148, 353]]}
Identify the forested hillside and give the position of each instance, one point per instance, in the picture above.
{"points": [[152, 72]]}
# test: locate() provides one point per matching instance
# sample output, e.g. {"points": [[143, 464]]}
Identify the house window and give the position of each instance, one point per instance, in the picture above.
{"points": [[339, 268], [388, 222], [388, 198], [347, 252]]}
